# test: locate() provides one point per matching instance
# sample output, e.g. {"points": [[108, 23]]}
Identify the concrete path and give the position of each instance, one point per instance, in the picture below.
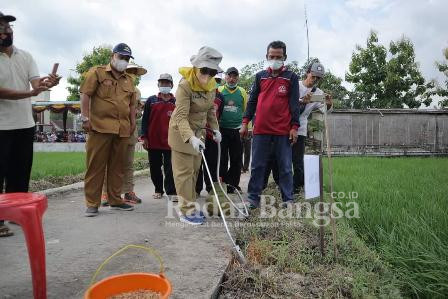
{"points": [[195, 257]]}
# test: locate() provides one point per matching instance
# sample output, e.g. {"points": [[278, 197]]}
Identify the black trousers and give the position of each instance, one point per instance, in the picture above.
{"points": [[157, 159], [298, 151], [230, 148], [246, 143], [211, 155], [16, 159]]}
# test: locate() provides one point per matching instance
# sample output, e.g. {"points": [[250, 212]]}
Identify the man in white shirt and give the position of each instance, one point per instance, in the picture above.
{"points": [[17, 127], [307, 88]]}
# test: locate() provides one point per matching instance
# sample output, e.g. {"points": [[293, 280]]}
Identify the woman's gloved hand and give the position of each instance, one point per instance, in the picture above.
{"points": [[217, 137], [196, 143]]}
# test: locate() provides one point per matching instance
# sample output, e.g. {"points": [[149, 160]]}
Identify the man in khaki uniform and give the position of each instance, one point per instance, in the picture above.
{"points": [[108, 101], [128, 169], [195, 97]]}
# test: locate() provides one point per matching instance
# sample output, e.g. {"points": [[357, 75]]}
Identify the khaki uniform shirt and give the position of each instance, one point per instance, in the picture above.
{"points": [[193, 111], [110, 100]]}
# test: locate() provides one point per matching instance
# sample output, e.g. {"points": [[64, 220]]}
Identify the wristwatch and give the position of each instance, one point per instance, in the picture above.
{"points": [[84, 118]]}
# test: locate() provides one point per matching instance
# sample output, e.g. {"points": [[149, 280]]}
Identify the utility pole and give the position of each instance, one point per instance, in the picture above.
{"points": [[307, 36]]}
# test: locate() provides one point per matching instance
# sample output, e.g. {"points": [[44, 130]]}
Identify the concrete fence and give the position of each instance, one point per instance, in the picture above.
{"points": [[388, 132]]}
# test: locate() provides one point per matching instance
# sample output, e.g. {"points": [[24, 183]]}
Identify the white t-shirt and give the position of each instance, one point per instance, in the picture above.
{"points": [[16, 72]]}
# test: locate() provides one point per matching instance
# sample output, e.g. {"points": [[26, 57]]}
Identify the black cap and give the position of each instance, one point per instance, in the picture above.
{"points": [[7, 18], [123, 49], [232, 70]]}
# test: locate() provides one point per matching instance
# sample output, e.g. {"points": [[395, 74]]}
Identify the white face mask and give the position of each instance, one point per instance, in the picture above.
{"points": [[165, 89], [119, 64], [275, 64]]}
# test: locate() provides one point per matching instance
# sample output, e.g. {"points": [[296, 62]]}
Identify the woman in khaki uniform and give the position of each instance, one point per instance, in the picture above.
{"points": [[194, 109]]}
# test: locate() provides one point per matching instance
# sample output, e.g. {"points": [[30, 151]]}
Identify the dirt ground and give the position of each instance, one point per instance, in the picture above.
{"points": [[195, 257]]}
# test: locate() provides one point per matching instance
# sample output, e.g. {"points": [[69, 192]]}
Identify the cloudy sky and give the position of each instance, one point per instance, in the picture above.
{"points": [[164, 34]]}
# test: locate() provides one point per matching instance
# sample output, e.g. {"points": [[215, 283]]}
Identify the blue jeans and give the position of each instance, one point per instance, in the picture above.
{"points": [[262, 146]]}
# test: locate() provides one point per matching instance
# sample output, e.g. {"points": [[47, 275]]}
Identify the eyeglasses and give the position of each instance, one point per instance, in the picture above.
{"points": [[207, 71]]}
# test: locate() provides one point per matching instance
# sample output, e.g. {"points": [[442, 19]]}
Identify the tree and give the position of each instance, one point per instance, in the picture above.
{"points": [[442, 91], [382, 83], [247, 74], [99, 56]]}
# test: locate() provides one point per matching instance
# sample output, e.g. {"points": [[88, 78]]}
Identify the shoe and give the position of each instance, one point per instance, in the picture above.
{"points": [[91, 212], [122, 207], [199, 214], [5, 231], [251, 204], [192, 220], [130, 197]]}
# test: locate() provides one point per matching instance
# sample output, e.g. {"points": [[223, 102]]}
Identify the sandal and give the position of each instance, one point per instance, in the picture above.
{"points": [[5, 231], [157, 195]]}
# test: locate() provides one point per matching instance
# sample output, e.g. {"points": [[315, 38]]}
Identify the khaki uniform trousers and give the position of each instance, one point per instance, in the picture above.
{"points": [[185, 173], [104, 150], [128, 171]]}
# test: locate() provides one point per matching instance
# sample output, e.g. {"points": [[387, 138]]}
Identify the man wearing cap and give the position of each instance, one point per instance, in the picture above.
{"points": [[108, 101], [234, 106], [128, 180], [154, 133], [195, 97], [17, 128], [307, 87], [274, 107]]}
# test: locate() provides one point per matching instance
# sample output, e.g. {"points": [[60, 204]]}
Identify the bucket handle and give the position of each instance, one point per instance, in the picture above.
{"points": [[150, 250]]}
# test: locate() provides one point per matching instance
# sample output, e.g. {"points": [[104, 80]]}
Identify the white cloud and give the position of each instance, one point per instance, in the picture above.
{"points": [[164, 34]]}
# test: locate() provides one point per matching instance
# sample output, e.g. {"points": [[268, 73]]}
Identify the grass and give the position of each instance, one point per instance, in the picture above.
{"points": [[284, 261], [403, 204], [55, 169], [58, 164]]}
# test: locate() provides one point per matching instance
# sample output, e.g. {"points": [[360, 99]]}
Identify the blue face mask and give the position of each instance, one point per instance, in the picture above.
{"points": [[165, 89], [231, 85]]}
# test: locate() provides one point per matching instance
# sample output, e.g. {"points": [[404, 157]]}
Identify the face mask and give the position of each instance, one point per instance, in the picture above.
{"points": [[275, 64], [7, 41], [232, 86], [165, 89], [119, 65]]}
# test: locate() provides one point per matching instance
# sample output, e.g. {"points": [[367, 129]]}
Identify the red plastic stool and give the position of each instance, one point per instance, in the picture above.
{"points": [[26, 209]]}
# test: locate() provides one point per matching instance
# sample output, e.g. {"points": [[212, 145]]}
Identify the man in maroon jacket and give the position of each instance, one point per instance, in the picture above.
{"points": [[154, 133], [274, 107]]}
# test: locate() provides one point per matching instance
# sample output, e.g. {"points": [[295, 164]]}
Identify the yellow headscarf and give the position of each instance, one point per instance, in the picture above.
{"points": [[189, 74]]}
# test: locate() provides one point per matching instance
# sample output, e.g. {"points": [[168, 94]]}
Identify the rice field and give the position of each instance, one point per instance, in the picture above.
{"points": [[403, 205]]}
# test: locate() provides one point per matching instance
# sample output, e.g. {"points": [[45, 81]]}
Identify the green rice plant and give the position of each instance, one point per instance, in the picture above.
{"points": [[402, 208]]}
